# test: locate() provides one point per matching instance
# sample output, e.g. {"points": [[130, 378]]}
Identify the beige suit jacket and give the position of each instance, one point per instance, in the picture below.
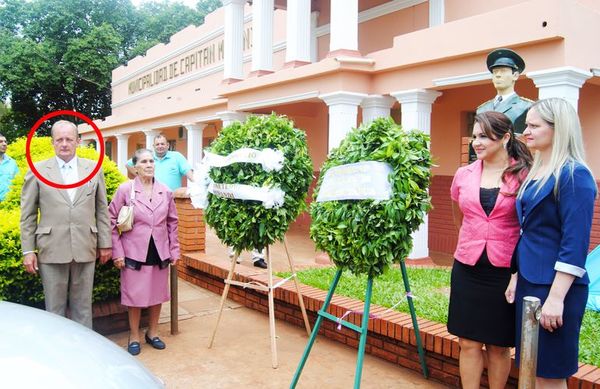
{"points": [[65, 231]]}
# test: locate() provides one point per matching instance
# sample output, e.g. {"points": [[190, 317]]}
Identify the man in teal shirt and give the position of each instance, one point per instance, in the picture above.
{"points": [[170, 166], [8, 168]]}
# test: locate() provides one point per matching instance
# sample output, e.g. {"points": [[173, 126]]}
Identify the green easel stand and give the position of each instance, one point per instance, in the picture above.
{"points": [[362, 330]]}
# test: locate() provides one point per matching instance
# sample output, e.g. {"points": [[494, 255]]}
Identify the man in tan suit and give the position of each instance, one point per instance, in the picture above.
{"points": [[73, 228]]}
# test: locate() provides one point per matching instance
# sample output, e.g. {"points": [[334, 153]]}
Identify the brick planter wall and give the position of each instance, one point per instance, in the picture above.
{"points": [[391, 335], [442, 231], [192, 230]]}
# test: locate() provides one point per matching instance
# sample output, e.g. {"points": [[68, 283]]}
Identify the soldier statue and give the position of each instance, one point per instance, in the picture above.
{"points": [[506, 66]]}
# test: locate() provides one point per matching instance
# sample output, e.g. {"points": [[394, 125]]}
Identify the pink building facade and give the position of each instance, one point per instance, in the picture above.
{"points": [[332, 64]]}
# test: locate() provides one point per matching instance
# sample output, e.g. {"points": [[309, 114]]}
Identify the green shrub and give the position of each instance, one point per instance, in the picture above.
{"points": [[15, 284], [245, 225], [367, 236]]}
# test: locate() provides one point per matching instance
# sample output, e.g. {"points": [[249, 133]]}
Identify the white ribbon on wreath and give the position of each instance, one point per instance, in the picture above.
{"points": [[271, 160]]}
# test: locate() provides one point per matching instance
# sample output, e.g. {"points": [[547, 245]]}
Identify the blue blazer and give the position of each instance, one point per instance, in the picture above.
{"points": [[555, 232]]}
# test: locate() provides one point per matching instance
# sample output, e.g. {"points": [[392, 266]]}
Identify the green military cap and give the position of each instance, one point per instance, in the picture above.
{"points": [[506, 58]]}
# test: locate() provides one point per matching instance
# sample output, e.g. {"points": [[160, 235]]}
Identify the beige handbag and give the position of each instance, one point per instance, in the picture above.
{"points": [[125, 218]]}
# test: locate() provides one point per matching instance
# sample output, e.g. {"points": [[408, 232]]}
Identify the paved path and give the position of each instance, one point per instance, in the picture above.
{"points": [[241, 355]]}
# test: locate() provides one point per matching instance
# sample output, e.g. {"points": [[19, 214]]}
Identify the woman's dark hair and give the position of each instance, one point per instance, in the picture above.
{"points": [[137, 154], [495, 125]]}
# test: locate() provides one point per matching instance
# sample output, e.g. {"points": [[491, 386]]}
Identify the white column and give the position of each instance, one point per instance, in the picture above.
{"points": [[194, 142], [344, 25], [262, 35], [415, 105], [376, 106], [122, 155], [298, 31], [233, 39], [314, 45], [343, 112], [562, 82], [228, 117], [436, 12], [150, 135]]}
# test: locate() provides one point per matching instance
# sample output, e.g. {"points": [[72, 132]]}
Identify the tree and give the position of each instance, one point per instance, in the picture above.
{"points": [[161, 19], [205, 7], [59, 54]]}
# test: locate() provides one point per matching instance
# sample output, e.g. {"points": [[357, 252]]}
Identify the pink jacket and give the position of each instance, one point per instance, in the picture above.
{"points": [[499, 232], [157, 219]]}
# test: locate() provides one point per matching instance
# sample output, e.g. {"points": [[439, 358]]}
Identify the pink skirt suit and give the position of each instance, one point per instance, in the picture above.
{"points": [[148, 247]]}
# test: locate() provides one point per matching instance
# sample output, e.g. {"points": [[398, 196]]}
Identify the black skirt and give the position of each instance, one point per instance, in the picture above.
{"points": [[478, 309]]}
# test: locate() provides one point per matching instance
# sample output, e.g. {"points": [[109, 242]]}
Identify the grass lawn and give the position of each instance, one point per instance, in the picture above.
{"points": [[431, 289]]}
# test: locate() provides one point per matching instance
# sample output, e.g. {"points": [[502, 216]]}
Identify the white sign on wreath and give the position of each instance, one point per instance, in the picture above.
{"points": [[368, 180]]}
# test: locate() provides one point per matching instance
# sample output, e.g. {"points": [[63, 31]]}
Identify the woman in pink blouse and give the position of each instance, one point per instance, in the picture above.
{"points": [[483, 195]]}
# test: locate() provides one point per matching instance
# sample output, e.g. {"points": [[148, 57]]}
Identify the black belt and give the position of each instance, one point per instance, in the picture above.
{"points": [[136, 265]]}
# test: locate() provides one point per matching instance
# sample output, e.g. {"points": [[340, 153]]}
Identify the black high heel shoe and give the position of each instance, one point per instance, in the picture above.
{"points": [[155, 342]]}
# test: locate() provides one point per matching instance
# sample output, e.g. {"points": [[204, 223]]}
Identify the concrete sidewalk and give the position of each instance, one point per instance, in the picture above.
{"points": [[241, 355]]}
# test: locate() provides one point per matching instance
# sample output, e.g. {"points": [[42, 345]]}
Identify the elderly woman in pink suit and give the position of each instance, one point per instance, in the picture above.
{"points": [[484, 195], [144, 253]]}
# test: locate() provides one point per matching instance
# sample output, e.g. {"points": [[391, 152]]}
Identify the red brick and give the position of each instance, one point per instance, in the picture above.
{"points": [[448, 379], [451, 367], [412, 364], [593, 376], [375, 341], [433, 363], [381, 353]]}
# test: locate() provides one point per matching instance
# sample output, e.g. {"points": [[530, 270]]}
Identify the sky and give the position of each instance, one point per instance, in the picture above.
{"points": [[189, 3]]}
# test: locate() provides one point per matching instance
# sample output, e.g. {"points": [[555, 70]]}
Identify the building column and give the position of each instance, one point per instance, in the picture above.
{"points": [[314, 42], [437, 12], [562, 82], [344, 27], [233, 40], [262, 36], [122, 154], [298, 21], [228, 117], [376, 106], [415, 105], [150, 135], [343, 113], [194, 142]]}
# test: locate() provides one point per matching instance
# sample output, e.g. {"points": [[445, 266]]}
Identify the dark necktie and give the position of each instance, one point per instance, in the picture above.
{"points": [[497, 102]]}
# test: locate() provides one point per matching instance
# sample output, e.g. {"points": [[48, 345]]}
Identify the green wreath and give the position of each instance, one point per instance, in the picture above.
{"points": [[367, 236], [247, 225]]}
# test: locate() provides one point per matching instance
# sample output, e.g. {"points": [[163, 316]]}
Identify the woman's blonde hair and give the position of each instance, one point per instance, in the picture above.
{"points": [[567, 142]]}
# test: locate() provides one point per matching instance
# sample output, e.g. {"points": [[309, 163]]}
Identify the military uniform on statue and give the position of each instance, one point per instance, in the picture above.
{"points": [[506, 66]]}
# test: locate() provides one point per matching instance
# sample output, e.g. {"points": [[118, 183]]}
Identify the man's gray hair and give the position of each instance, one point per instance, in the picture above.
{"points": [[138, 153], [61, 123]]}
